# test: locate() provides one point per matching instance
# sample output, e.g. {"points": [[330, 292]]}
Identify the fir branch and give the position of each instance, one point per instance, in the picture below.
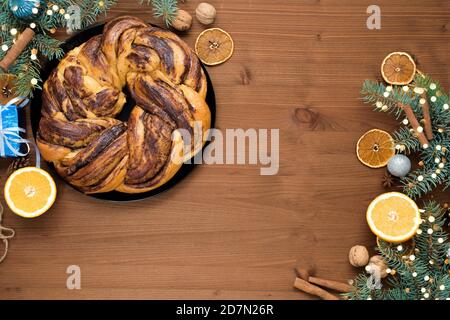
{"points": [[426, 276], [90, 11], [362, 290], [404, 137], [26, 69], [388, 101], [166, 9], [424, 81], [430, 248], [403, 267], [435, 171], [48, 46], [439, 115], [416, 187], [430, 154]]}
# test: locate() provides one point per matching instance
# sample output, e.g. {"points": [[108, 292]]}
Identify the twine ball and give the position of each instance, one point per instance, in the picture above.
{"points": [[358, 256], [26, 9], [399, 165]]}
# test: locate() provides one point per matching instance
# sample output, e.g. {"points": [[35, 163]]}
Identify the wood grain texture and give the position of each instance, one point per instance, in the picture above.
{"points": [[225, 231]]}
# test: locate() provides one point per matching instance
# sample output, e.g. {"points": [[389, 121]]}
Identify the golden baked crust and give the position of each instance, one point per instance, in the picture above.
{"points": [[78, 131]]}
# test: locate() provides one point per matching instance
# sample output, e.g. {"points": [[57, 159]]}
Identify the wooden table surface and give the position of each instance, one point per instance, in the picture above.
{"points": [[226, 232]]}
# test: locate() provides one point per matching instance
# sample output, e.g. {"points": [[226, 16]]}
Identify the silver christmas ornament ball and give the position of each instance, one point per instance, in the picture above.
{"points": [[399, 165]]}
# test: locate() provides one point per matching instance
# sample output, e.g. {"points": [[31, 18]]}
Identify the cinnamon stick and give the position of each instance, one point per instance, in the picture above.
{"points": [[415, 124], [330, 284], [302, 273], [21, 43], [427, 118], [307, 287]]}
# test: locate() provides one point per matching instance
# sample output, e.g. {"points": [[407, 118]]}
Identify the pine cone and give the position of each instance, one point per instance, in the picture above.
{"points": [[388, 180], [18, 163]]}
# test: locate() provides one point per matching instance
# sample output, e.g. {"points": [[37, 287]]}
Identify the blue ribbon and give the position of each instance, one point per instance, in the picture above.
{"points": [[12, 134]]}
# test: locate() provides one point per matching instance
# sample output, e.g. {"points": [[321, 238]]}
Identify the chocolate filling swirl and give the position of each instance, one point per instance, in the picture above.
{"points": [[78, 131]]}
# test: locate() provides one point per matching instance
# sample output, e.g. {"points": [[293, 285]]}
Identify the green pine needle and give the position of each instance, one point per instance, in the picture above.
{"points": [[424, 277], [166, 9], [430, 247], [436, 158]]}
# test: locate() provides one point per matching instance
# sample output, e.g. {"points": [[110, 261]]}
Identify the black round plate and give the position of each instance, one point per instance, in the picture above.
{"points": [[36, 103]]}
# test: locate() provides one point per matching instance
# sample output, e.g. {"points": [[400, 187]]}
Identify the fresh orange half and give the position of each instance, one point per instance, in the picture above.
{"points": [[375, 148], [393, 217], [398, 68], [29, 192], [214, 46]]}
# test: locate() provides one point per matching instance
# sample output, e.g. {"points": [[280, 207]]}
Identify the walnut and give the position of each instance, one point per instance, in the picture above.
{"points": [[205, 13], [358, 256], [182, 21]]}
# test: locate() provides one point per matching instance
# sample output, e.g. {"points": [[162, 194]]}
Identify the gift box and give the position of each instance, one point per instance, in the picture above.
{"points": [[12, 120]]}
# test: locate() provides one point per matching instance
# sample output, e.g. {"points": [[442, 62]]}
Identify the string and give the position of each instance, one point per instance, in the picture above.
{"points": [[5, 235]]}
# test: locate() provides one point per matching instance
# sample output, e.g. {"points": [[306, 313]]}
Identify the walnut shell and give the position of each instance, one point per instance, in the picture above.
{"points": [[205, 13], [182, 21], [378, 262], [358, 256]]}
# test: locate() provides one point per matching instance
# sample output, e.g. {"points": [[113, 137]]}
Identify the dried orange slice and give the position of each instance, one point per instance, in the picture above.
{"points": [[29, 192], [375, 148], [214, 46], [393, 217], [398, 68]]}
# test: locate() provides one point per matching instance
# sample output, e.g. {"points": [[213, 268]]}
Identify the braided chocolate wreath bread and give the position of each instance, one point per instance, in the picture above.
{"points": [[79, 132]]}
